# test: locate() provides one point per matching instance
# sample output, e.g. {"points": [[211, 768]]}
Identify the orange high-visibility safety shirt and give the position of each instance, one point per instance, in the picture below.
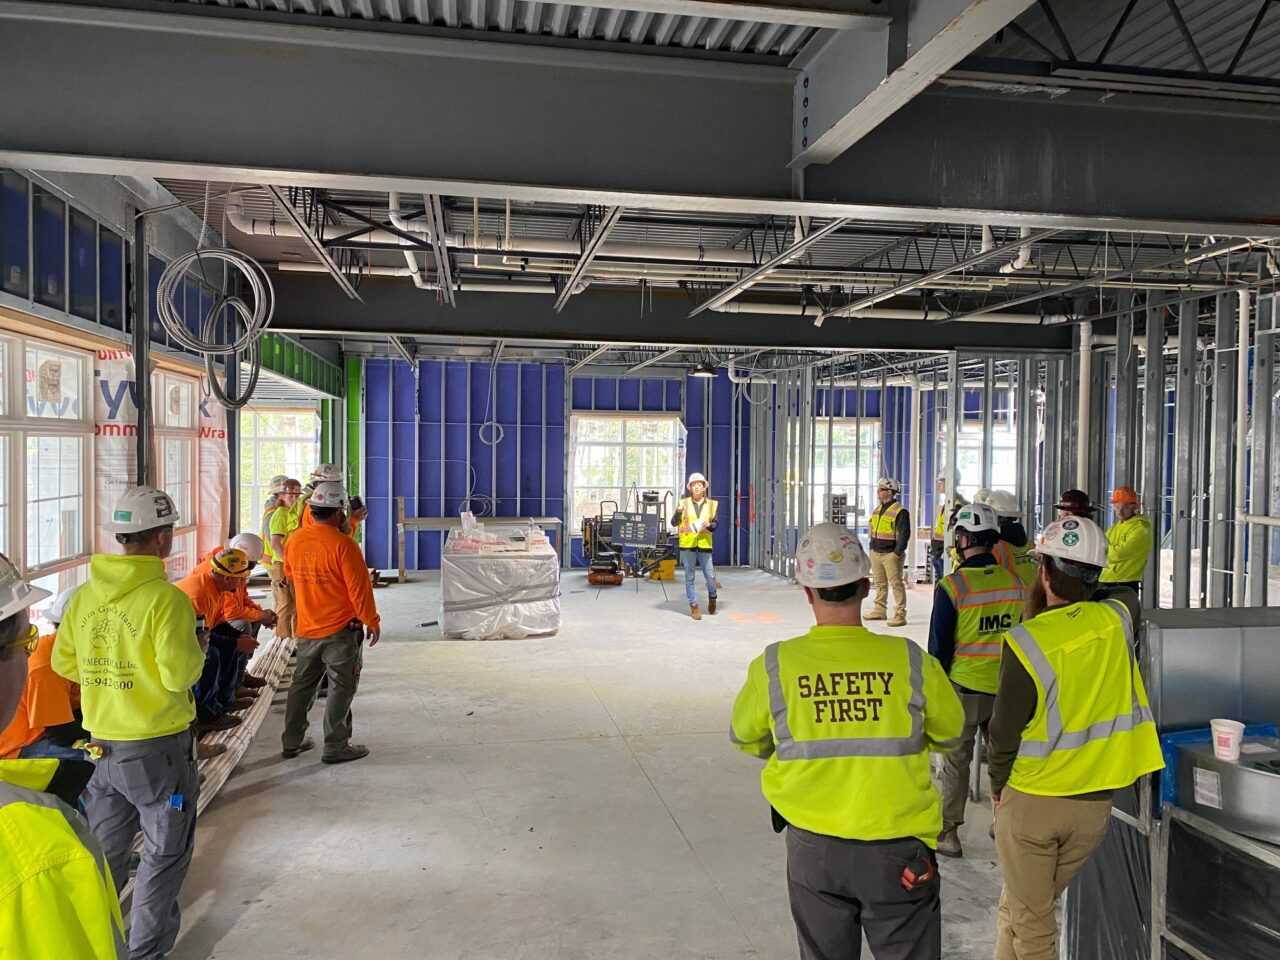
{"points": [[330, 581], [205, 597], [308, 522], [237, 605], [47, 701]]}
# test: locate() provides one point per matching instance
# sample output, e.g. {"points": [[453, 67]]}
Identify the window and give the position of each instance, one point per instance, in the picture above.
{"points": [[174, 408], [83, 254], [55, 499], [14, 233], [855, 451], [272, 442], [615, 457], [55, 382], [50, 267], [178, 456], [1004, 446], [111, 260]]}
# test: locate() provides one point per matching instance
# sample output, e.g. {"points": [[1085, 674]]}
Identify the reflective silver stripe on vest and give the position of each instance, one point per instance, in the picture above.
{"points": [[764, 744], [1059, 739], [791, 749], [981, 597]]}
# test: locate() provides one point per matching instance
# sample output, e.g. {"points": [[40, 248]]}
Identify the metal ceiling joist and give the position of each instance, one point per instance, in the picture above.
{"points": [[657, 358], [862, 78], [595, 354], [824, 14], [785, 257], [648, 146], [313, 242], [589, 248], [434, 216], [980, 257]]}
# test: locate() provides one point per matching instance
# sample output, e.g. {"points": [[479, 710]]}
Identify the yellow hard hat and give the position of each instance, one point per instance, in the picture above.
{"points": [[232, 563]]}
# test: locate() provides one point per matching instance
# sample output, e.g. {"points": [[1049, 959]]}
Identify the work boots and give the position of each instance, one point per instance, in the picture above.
{"points": [[873, 615], [898, 622], [352, 751], [694, 611], [949, 843], [711, 605]]}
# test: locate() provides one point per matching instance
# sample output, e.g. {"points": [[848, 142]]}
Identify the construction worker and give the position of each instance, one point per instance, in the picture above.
{"points": [[1075, 503], [1071, 725], [336, 612], [1129, 541], [845, 719], [47, 721], [129, 639], [271, 504], [938, 540], [228, 650], [239, 611], [1013, 552], [695, 519], [285, 520], [59, 899], [973, 606], [890, 530]]}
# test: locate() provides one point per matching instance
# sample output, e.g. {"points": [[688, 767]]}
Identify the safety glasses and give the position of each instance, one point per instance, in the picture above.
{"points": [[27, 643]]}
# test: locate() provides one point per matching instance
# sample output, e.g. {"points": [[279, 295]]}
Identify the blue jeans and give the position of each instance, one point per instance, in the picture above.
{"points": [[692, 559], [216, 688], [45, 749]]}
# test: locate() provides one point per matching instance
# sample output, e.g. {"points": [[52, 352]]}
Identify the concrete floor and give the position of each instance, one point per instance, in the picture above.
{"points": [[568, 797]]}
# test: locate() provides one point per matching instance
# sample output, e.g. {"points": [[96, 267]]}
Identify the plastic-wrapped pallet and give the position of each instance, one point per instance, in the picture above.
{"points": [[498, 590]]}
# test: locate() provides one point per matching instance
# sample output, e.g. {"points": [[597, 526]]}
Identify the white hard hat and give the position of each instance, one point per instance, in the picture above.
{"points": [[15, 593], [142, 508], [977, 518], [250, 544], [1077, 540], [888, 483], [329, 494], [1004, 503], [830, 556], [696, 478], [58, 609], [278, 483], [327, 471], [982, 496]]}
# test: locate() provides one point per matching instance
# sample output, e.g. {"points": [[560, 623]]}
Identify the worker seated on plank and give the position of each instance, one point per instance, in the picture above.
{"points": [[59, 896], [973, 606], [47, 721], [240, 613], [336, 613], [1129, 542], [695, 520], [129, 639], [228, 650], [1070, 726], [845, 720]]}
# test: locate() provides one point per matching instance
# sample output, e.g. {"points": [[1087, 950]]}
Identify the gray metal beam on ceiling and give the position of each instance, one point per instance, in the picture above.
{"points": [[860, 78], [590, 245], [601, 314], [283, 89], [313, 242], [824, 14]]}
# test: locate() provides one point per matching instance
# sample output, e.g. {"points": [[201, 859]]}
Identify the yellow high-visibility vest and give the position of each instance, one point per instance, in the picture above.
{"points": [[846, 719], [883, 522], [1095, 732], [1018, 560], [690, 511], [1129, 544], [59, 899], [940, 526], [988, 602]]}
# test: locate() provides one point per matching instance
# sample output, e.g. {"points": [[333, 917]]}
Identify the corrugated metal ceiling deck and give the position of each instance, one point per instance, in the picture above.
{"points": [[555, 20]]}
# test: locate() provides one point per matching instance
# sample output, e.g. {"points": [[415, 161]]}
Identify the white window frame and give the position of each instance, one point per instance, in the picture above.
{"points": [[1004, 437], [862, 501], [623, 444], [17, 426], [255, 493], [189, 519]]}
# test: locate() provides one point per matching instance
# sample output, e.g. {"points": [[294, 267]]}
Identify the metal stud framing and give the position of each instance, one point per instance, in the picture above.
{"points": [[1222, 480], [1262, 445]]}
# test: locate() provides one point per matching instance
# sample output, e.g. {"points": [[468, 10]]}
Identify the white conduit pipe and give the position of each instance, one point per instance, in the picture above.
{"points": [[1242, 451], [466, 286], [1023, 260], [493, 242], [879, 313], [1082, 411]]}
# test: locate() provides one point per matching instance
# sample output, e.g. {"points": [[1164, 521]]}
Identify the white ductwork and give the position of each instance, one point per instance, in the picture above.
{"points": [[879, 313], [1023, 260], [988, 240]]}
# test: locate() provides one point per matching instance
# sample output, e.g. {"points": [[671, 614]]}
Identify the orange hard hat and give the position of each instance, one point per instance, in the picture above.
{"points": [[1124, 494]]}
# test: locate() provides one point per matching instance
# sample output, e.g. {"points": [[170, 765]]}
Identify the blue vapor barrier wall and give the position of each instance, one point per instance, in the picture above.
{"points": [[715, 439], [460, 433]]}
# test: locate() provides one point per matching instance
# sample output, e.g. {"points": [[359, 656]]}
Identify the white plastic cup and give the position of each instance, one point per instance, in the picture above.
{"points": [[1227, 735]]}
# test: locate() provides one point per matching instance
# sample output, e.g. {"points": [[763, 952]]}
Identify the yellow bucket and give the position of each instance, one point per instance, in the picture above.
{"points": [[666, 570]]}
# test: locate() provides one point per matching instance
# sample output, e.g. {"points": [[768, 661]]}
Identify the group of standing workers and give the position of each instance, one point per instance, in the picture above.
{"points": [[110, 712], [1035, 647]]}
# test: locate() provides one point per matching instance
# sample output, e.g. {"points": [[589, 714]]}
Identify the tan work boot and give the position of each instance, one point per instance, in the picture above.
{"points": [[207, 751], [694, 611], [898, 622], [352, 751], [711, 605], [949, 843], [873, 616]]}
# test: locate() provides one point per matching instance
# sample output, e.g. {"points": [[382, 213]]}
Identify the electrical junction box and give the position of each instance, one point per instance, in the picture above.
{"points": [[838, 508]]}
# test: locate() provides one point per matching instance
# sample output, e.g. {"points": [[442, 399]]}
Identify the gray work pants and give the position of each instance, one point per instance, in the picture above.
{"points": [[841, 889], [152, 786], [955, 765], [339, 657]]}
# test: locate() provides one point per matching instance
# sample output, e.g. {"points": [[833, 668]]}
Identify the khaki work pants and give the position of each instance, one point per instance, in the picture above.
{"points": [[955, 765], [886, 571], [283, 602], [1042, 843]]}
